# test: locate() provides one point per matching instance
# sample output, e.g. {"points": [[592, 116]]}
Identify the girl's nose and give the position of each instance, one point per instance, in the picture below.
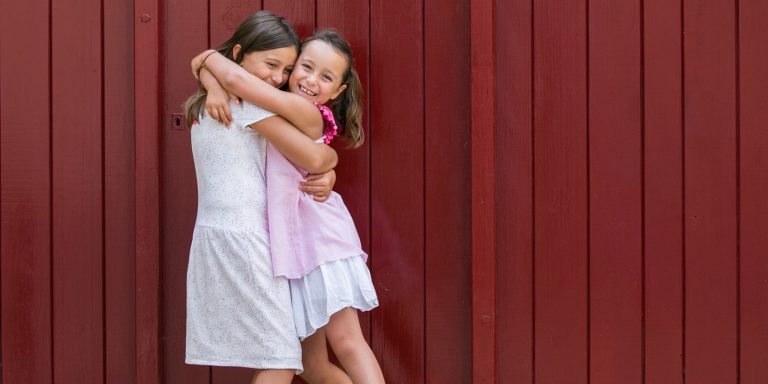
{"points": [[277, 77]]}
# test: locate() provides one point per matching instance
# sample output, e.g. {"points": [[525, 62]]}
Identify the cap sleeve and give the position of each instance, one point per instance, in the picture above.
{"points": [[247, 113]]}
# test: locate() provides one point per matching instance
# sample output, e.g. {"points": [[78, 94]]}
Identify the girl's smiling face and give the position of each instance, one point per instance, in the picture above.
{"points": [[318, 73], [273, 66]]}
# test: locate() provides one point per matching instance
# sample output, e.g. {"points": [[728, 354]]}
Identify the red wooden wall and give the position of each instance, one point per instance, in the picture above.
{"points": [[627, 171], [631, 185], [66, 115]]}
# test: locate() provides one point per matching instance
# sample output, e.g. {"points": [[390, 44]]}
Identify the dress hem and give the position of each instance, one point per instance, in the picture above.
{"points": [[263, 365], [327, 319]]}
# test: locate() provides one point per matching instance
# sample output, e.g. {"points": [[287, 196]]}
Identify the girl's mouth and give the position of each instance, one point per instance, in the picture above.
{"points": [[307, 91]]}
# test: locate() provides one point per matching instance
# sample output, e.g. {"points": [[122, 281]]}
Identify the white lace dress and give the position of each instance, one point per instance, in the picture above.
{"points": [[237, 313]]}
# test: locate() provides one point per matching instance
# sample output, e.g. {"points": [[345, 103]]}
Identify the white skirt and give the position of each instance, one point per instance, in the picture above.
{"points": [[329, 288], [237, 313]]}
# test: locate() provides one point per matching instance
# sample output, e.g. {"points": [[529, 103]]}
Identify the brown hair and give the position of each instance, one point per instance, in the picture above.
{"points": [[261, 31], [348, 106]]}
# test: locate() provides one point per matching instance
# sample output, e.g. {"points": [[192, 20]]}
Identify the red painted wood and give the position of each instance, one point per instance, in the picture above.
{"points": [[397, 190], [615, 192], [663, 192], [225, 16], [25, 209], [710, 192], [119, 223], [78, 320], [185, 37], [514, 188], [353, 182], [753, 210], [300, 13], [560, 185], [147, 190], [448, 329], [483, 191]]}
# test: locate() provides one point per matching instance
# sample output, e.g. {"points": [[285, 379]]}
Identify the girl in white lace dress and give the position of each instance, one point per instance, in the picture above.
{"points": [[238, 314]]}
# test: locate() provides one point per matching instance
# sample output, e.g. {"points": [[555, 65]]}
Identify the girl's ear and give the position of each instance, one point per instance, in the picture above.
{"points": [[236, 52], [339, 91]]}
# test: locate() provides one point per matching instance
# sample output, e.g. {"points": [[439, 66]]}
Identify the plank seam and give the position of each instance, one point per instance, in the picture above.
{"points": [[533, 192], [50, 186], [103, 206], [370, 170], [642, 197], [424, 184], [683, 186], [738, 190], [589, 205]]}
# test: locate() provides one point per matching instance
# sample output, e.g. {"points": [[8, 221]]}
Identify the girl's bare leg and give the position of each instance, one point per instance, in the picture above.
{"points": [[318, 369], [273, 376], [347, 341]]}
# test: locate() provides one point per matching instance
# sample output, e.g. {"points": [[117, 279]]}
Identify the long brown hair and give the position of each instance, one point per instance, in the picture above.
{"points": [[348, 106], [261, 31]]}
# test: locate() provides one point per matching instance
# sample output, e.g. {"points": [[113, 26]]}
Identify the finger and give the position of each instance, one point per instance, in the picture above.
{"points": [[220, 112], [315, 190], [312, 177], [227, 114], [319, 183], [320, 199], [234, 98], [215, 115], [316, 184]]}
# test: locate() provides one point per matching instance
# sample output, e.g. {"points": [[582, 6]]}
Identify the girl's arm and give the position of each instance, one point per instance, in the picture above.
{"points": [[295, 146], [238, 81], [217, 100]]}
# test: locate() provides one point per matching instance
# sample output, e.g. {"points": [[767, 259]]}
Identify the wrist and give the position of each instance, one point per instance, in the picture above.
{"points": [[206, 54]]}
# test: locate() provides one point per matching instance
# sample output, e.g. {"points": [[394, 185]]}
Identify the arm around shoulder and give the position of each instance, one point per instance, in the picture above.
{"points": [[295, 146], [300, 112]]}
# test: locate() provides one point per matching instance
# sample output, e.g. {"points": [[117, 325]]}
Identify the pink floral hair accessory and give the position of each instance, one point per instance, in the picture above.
{"points": [[330, 129]]}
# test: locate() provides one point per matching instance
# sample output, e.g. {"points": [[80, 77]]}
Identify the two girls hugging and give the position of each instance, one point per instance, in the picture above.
{"points": [[276, 270]]}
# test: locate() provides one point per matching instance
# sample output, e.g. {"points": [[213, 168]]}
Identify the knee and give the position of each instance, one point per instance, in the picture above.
{"points": [[345, 344]]}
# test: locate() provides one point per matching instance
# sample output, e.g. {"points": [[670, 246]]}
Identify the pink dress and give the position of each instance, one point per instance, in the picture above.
{"points": [[315, 245]]}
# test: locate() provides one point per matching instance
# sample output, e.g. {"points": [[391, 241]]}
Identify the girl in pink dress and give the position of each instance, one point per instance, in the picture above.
{"points": [[315, 245]]}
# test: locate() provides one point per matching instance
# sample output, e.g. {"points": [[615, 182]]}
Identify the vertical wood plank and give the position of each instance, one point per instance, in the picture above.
{"points": [[447, 123], [710, 192], [25, 211], [119, 224], [753, 60], [300, 13], [149, 351], [663, 192], [78, 318], [483, 190], [184, 37], [514, 186], [350, 18], [560, 182], [615, 192], [397, 190]]}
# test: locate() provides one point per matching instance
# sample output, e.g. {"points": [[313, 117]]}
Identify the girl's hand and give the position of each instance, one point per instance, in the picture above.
{"points": [[217, 105], [197, 62], [319, 186]]}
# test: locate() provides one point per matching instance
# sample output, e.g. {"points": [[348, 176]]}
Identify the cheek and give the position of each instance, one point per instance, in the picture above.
{"points": [[260, 71]]}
